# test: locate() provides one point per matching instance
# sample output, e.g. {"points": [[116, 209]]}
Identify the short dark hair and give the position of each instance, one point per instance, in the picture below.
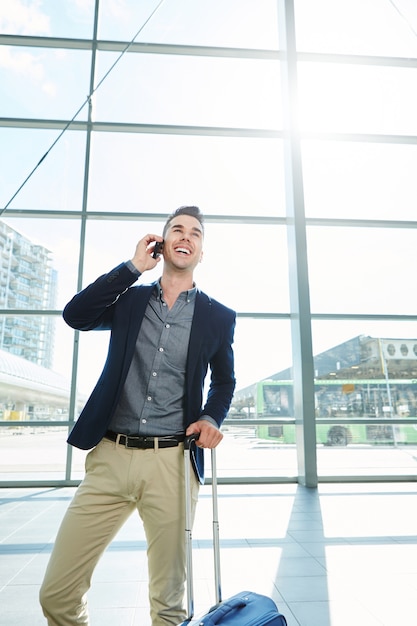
{"points": [[194, 211]]}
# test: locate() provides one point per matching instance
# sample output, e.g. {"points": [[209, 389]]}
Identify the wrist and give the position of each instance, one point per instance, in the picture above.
{"points": [[133, 267]]}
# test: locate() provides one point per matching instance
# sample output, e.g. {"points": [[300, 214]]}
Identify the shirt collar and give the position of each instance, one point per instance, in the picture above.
{"points": [[188, 296]]}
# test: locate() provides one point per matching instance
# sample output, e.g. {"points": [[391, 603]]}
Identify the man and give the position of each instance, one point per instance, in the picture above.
{"points": [[164, 336]]}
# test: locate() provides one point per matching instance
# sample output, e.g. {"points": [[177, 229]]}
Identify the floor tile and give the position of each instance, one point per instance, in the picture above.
{"points": [[334, 556]]}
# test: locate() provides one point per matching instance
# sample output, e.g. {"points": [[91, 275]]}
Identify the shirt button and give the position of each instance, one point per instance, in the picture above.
{"points": [[167, 325], [154, 374], [160, 349], [149, 398], [143, 421]]}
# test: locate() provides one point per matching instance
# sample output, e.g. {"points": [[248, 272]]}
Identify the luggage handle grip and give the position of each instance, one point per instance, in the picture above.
{"points": [[190, 439], [218, 612]]}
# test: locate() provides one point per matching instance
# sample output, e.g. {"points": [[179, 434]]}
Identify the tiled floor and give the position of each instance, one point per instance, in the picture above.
{"points": [[341, 555]]}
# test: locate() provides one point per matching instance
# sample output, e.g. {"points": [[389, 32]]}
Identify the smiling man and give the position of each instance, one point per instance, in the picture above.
{"points": [[164, 337]]}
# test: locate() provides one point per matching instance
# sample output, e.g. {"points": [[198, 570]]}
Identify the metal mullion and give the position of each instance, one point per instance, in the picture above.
{"points": [[139, 47], [207, 51], [73, 394], [356, 59], [31, 41], [301, 334], [265, 220]]}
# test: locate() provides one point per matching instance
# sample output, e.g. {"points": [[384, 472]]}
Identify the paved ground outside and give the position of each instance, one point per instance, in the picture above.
{"points": [[40, 454]]}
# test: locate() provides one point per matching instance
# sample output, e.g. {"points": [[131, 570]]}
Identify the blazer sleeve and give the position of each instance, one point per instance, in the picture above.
{"points": [[222, 376], [91, 308]]}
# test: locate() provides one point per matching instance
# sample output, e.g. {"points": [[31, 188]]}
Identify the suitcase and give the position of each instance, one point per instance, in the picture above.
{"points": [[243, 609]]}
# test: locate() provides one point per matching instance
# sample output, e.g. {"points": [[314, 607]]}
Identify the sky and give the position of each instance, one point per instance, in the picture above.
{"points": [[351, 270]]}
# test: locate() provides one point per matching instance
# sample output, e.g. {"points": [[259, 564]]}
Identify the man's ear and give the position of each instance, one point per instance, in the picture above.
{"points": [[201, 257]]}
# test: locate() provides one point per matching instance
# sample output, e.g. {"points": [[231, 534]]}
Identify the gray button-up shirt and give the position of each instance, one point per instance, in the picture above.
{"points": [[152, 400]]}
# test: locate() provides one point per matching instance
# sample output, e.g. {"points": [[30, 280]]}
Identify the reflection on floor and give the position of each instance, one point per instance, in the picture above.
{"points": [[341, 555]]}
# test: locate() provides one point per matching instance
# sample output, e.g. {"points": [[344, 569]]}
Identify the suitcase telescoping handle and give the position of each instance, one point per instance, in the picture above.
{"points": [[188, 443]]}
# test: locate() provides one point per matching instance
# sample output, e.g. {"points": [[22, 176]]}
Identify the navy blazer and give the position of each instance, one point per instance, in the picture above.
{"points": [[112, 303]]}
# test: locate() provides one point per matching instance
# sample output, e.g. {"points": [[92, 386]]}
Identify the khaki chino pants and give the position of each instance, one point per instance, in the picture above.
{"points": [[117, 481]]}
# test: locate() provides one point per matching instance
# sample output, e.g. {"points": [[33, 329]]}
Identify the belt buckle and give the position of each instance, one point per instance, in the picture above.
{"points": [[127, 437]]}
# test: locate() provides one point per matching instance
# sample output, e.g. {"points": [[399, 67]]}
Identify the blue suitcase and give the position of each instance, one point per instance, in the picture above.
{"points": [[243, 609]]}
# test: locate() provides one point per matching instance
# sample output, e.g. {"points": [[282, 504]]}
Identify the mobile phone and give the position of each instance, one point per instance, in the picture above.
{"points": [[157, 249]]}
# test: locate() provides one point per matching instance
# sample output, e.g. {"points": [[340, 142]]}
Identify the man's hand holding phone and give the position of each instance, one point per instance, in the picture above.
{"points": [[147, 253]]}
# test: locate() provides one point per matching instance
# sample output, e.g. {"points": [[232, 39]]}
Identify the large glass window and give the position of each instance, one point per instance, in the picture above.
{"points": [[192, 112], [50, 250], [366, 27], [154, 173], [365, 398], [196, 91], [43, 83], [358, 180], [346, 98], [38, 174], [48, 19], [362, 270], [230, 23]]}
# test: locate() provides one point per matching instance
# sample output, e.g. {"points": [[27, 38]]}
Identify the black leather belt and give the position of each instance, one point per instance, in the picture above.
{"points": [[144, 443]]}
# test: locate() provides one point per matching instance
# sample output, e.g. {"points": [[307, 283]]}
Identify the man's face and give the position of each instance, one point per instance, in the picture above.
{"points": [[183, 243]]}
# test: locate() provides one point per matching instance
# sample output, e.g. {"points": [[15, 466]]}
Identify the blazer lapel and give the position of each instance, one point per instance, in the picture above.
{"points": [[200, 322]]}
